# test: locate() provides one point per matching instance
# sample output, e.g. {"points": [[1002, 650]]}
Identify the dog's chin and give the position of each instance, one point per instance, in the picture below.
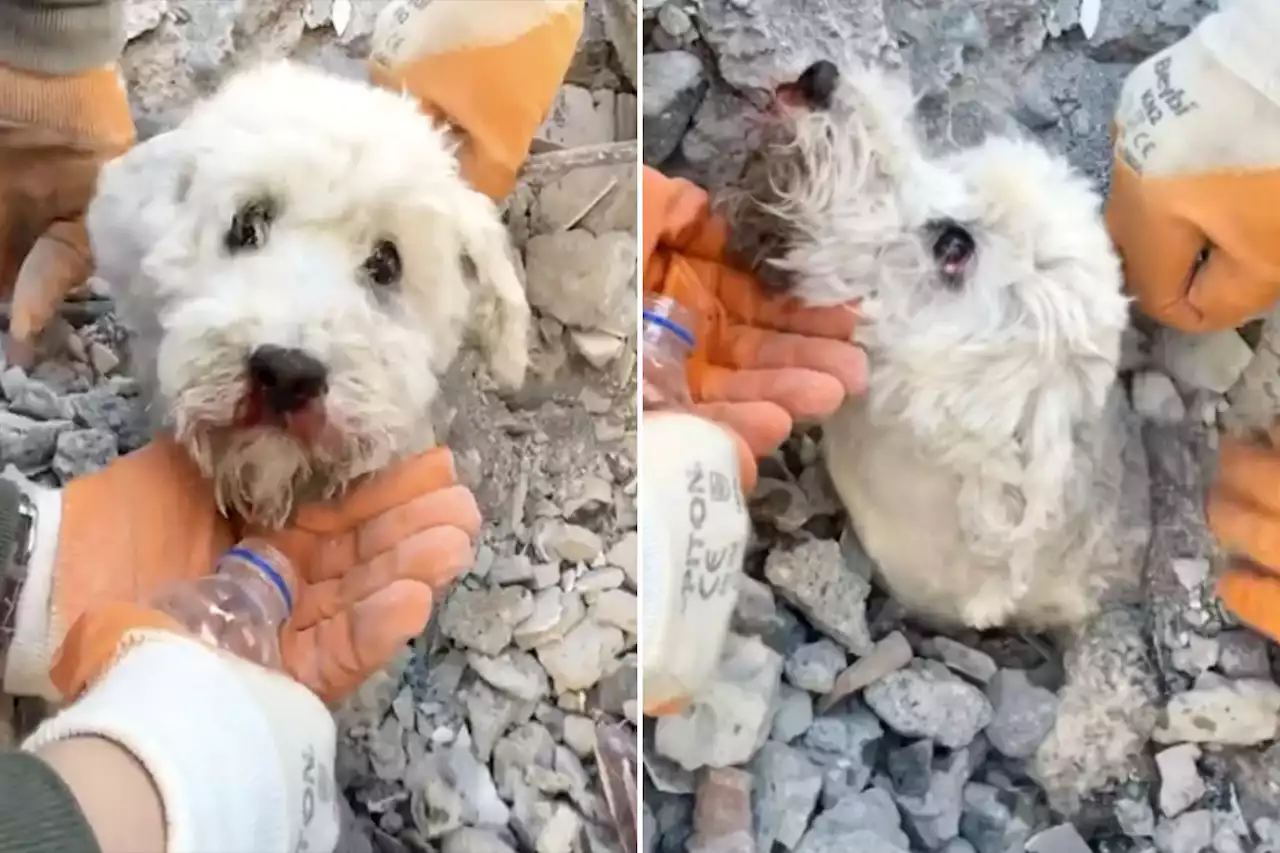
{"points": [[261, 473]]}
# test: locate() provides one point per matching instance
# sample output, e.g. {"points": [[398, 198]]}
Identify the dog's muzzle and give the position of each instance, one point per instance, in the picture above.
{"points": [[289, 379]]}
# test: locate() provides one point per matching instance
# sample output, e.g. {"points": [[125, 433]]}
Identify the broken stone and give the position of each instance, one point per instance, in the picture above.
{"points": [[729, 719], [485, 619], [514, 672], [845, 745], [1180, 782], [959, 657], [1211, 361], [560, 831], [674, 83], [1243, 654], [1155, 397], [814, 666], [1190, 832], [554, 615], [624, 555], [470, 839], [83, 451], [890, 654], [513, 569], [988, 823], [922, 701], [583, 280], [722, 812], [1241, 712], [793, 715], [1023, 713], [866, 821], [812, 577], [787, 785], [933, 809], [599, 580], [583, 656], [580, 735], [598, 348], [570, 542], [1063, 838], [616, 607], [28, 443]]}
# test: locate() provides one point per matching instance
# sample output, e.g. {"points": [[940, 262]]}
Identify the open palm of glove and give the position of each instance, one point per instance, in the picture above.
{"points": [[55, 133], [1197, 154], [760, 362], [367, 565]]}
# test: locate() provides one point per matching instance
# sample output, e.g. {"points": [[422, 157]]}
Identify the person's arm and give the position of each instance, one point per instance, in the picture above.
{"points": [[58, 37], [39, 812]]}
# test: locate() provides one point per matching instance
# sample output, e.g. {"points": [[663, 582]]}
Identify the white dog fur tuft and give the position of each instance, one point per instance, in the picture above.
{"points": [[325, 171], [980, 471]]}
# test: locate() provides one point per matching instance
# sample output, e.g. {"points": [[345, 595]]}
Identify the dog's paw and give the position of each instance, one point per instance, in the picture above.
{"points": [[991, 607]]}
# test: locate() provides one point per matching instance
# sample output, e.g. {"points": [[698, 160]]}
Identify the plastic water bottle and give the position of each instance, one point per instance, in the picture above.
{"points": [[667, 338], [696, 527], [241, 607]]}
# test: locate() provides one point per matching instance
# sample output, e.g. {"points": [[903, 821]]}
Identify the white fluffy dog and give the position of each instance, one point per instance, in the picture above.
{"points": [[298, 262], [982, 471]]}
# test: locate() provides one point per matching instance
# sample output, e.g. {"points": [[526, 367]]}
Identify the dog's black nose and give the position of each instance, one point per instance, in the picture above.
{"points": [[289, 378], [818, 84]]}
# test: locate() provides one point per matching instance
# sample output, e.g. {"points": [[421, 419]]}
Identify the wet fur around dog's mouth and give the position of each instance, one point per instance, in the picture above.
{"points": [[298, 262]]}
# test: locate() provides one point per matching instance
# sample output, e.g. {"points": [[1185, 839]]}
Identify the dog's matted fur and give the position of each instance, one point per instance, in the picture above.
{"points": [[983, 471], [298, 262]]}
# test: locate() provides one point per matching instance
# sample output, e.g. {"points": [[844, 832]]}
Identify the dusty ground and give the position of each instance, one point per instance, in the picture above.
{"points": [[837, 723], [481, 738]]}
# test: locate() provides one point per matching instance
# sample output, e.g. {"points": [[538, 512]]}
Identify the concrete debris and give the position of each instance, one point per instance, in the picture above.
{"points": [[1024, 713], [812, 577], [927, 701]]}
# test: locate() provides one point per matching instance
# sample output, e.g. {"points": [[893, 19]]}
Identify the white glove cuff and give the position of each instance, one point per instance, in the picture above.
{"points": [[26, 672], [1243, 38], [208, 729]]}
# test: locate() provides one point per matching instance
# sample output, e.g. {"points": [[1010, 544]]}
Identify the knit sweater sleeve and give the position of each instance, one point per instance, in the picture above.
{"points": [[38, 813], [60, 36]]}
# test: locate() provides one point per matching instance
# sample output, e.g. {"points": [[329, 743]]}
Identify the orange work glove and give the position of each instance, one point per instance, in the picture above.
{"points": [[1197, 157], [55, 133], [1244, 514], [366, 564], [489, 68], [759, 362]]}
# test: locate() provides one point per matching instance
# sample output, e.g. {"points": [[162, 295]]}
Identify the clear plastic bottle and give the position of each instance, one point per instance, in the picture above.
{"points": [[667, 338], [241, 606], [695, 526]]}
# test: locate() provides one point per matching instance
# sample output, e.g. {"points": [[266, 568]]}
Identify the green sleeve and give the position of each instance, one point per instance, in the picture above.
{"points": [[60, 36], [38, 813]]}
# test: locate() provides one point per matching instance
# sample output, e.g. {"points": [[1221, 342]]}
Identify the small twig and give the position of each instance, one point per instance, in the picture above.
{"points": [[552, 164]]}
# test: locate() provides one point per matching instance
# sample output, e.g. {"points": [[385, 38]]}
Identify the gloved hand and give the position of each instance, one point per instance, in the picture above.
{"points": [[759, 362], [366, 563], [1197, 149], [241, 757], [491, 70], [55, 133], [1244, 515]]}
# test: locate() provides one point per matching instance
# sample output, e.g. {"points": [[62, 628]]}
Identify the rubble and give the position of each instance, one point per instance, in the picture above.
{"points": [[537, 643], [925, 740]]}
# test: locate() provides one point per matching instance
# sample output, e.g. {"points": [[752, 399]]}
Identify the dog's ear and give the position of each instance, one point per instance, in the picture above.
{"points": [[500, 315], [136, 203]]}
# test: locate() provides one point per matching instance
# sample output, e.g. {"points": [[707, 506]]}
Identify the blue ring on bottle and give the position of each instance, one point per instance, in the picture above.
{"points": [[670, 325], [267, 569]]}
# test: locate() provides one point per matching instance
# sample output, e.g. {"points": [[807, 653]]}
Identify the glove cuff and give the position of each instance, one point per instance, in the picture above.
{"points": [[205, 727], [61, 38], [90, 106], [1242, 38], [30, 650]]}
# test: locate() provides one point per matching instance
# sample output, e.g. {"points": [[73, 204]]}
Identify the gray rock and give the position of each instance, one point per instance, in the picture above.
{"points": [[1243, 654], [1212, 361], [583, 657], [1063, 838], [730, 718], [957, 845], [814, 666], [584, 280], [1241, 712], [785, 793], [725, 129], [470, 839], [1023, 713], [484, 619], [1155, 397], [83, 451], [515, 672], [674, 83], [922, 701], [1180, 782], [794, 714], [988, 822], [933, 806], [26, 442], [33, 398], [845, 744], [1191, 832], [1135, 816], [977, 665], [866, 821], [554, 614], [1130, 32], [813, 578], [892, 652]]}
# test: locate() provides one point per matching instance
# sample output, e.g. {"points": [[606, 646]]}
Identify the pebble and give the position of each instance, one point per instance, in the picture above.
{"points": [[846, 745], [1241, 712], [988, 822], [1191, 832], [1180, 782], [793, 715], [616, 607], [554, 615], [814, 666], [83, 451], [1023, 713], [624, 555], [890, 654], [865, 821], [787, 785], [514, 672], [1243, 654], [1211, 361], [922, 701], [580, 734], [570, 542], [1156, 398], [582, 657], [812, 577], [967, 661], [933, 801], [485, 619], [1063, 838]]}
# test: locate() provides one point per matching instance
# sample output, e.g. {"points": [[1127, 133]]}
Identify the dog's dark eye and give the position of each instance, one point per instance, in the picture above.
{"points": [[250, 225], [952, 249], [383, 266]]}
